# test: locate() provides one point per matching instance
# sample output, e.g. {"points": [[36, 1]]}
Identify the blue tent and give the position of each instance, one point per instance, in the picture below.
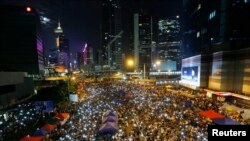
{"points": [[108, 128], [111, 114], [225, 121], [109, 119], [40, 132]]}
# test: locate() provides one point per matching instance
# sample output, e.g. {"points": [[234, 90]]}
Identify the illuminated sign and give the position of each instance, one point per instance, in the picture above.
{"points": [[190, 73]]}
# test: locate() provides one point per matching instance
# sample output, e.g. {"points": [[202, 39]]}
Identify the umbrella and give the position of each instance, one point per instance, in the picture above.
{"points": [[108, 128], [29, 138], [225, 121], [62, 116], [40, 132], [49, 127]]}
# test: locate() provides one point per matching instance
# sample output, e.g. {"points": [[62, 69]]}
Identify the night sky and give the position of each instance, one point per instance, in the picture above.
{"points": [[81, 19]]}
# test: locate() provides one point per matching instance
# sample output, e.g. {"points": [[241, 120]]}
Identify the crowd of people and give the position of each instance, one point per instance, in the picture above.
{"points": [[17, 118], [153, 113]]}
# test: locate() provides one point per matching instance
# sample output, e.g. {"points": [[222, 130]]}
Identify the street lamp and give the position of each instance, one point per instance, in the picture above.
{"points": [[130, 62], [158, 62]]}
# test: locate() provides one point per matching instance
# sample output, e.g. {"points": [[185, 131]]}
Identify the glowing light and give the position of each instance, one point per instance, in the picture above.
{"points": [[158, 62], [28, 9], [85, 47], [130, 62]]}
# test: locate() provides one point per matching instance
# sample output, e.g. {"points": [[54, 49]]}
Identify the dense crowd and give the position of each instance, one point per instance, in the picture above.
{"points": [[154, 113], [17, 118]]}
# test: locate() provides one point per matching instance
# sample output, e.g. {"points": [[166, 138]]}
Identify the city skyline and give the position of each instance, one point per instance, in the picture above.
{"points": [[81, 19]]}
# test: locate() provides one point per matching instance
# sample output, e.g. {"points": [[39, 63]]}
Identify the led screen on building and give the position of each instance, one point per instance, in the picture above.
{"points": [[190, 73], [73, 97]]}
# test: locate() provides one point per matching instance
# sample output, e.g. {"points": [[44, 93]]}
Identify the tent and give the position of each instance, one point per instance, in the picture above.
{"points": [[63, 117], [225, 121], [110, 113], [49, 127], [40, 132], [211, 114], [109, 119], [29, 138], [108, 128]]}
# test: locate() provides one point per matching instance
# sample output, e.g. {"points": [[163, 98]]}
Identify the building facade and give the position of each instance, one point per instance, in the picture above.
{"points": [[110, 27], [219, 29], [21, 47], [142, 41], [169, 42], [14, 86]]}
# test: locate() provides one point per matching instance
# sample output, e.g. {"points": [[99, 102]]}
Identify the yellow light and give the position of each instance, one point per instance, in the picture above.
{"points": [[73, 78], [57, 42], [130, 62], [158, 62]]}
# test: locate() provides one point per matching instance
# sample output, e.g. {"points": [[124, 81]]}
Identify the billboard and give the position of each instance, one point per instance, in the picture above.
{"points": [[190, 73], [73, 97]]}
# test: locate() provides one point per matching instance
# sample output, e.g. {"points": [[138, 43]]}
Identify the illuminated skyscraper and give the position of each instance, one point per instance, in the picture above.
{"points": [[111, 25], [142, 40], [169, 41], [62, 45]]}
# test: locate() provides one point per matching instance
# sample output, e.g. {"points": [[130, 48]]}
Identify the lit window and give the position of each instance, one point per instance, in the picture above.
{"points": [[212, 14], [198, 34], [199, 7]]}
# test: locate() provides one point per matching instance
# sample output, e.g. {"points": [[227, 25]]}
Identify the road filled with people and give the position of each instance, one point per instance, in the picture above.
{"points": [[115, 110], [149, 113]]}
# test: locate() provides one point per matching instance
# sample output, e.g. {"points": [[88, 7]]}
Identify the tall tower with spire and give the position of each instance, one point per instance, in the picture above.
{"points": [[62, 45]]}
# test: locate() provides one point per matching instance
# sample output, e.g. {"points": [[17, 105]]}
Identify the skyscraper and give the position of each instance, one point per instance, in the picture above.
{"points": [[142, 40], [169, 41], [62, 45], [111, 26], [21, 46]]}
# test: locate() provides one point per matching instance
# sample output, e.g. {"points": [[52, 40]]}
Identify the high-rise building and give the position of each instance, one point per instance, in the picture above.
{"points": [[211, 26], [111, 26], [169, 42], [218, 33], [142, 41], [21, 46], [62, 45]]}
